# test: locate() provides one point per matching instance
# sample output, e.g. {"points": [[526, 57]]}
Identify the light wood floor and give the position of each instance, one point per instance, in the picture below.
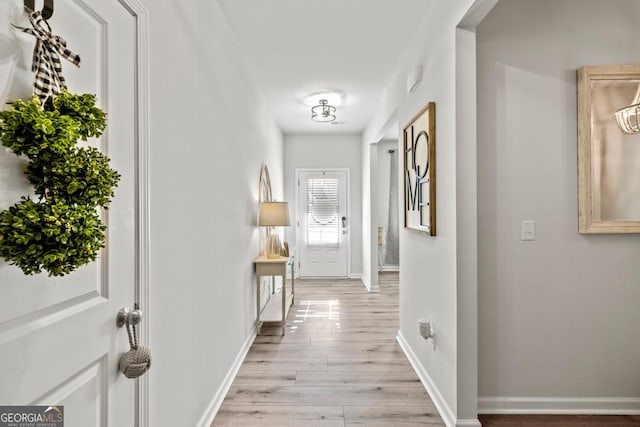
{"points": [[338, 365]]}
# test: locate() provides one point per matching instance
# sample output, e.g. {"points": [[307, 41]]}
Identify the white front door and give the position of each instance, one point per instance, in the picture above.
{"points": [[323, 223], [59, 344]]}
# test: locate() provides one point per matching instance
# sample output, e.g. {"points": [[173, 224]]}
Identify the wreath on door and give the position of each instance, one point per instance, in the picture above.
{"points": [[60, 229]]}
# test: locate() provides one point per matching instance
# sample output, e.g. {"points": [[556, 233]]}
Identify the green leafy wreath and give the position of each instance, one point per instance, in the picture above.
{"points": [[62, 229]]}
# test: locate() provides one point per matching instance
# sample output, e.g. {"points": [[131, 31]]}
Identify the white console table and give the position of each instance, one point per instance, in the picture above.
{"points": [[273, 311]]}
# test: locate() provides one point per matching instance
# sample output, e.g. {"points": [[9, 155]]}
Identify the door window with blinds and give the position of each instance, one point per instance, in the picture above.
{"points": [[323, 212]]}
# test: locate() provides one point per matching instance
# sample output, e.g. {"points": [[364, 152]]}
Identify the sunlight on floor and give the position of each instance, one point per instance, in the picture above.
{"points": [[319, 310]]}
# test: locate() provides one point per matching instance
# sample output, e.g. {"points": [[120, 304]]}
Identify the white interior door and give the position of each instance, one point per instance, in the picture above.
{"points": [[323, 223], [59, 344]]}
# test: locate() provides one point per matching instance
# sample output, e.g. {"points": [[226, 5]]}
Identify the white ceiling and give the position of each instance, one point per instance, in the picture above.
{"points": [[298, 47]]}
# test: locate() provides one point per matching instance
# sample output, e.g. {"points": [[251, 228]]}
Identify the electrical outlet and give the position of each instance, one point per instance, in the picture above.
{"points": [[426, 331]]}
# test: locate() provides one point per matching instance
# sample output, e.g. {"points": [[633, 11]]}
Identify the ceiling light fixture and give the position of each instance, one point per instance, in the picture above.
{"points": [[629, 117], [323, 112]]}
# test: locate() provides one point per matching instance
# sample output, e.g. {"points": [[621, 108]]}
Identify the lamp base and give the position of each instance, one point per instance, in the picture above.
{"points": [[273, 244]]}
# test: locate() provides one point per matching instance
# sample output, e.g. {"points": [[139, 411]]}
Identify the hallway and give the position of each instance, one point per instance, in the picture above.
{"points": [[338, 365]]}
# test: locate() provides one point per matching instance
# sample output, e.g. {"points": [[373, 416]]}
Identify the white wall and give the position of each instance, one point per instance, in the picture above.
{"points": [[383, 169], [429, 277], [558, 316], [327, 151], [210, 132], [369, 269]]}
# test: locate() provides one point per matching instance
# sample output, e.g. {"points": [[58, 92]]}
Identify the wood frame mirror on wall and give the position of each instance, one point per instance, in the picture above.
{"points": [[608, 168]]}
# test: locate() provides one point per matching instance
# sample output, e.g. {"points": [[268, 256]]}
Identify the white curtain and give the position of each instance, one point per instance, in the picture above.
{"points": [[392, 253]]}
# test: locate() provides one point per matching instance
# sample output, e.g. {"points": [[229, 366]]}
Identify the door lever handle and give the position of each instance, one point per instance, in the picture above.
{"points": [[344, 221]]}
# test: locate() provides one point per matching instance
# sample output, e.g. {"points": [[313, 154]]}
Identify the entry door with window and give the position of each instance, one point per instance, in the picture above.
{"points": [[59, 343], [323, 223]]}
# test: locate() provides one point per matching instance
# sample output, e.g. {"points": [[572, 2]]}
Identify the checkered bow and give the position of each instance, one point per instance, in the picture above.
{"points": [[46, 58]]}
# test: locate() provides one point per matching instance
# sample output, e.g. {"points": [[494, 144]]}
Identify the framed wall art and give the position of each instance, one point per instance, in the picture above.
{"points": [[419, 172], [609, 149]]}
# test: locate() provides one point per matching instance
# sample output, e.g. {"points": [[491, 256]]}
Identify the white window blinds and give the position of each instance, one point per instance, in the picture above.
{"points": [[323, 223]]}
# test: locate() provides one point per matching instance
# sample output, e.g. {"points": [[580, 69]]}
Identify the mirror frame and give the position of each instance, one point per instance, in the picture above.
{"points": [[586, 222]]}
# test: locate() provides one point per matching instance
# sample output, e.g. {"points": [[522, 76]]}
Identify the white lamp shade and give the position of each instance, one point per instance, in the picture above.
{"points": [[273, 214]]}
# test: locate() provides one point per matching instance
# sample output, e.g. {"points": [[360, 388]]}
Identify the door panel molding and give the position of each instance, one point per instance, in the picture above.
{"points": [[24, 325], [96, 372]]}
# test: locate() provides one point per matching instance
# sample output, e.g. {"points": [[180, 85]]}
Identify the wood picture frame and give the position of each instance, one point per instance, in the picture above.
{"points": [[419, 171], [608, 158]]}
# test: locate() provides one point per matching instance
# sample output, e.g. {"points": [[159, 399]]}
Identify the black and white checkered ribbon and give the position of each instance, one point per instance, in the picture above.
{"points": [[46, 58]]}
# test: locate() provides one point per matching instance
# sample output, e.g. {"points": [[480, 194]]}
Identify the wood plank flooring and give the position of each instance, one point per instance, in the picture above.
{"points": [[338, 365]]}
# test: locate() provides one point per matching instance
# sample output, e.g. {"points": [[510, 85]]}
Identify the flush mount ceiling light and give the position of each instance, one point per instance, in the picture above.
{"points": [[628, 118], [323, 112]]}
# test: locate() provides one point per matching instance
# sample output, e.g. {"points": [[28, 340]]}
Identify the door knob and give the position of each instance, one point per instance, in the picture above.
{"points": [[137, 360], [132, 317]]}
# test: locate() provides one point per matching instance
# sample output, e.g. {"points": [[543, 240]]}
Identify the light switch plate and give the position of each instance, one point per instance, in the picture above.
{"points": [[528, 230]]}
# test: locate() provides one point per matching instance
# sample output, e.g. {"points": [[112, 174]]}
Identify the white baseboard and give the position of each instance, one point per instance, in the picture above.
{"points": [[559, 405], [367, 285], [441, 405], [355, 276], [216, 402], [390, 268], [470, 422]]}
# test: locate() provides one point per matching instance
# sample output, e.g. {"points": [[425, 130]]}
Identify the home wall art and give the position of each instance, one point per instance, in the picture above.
{"points": [[419, 172]]}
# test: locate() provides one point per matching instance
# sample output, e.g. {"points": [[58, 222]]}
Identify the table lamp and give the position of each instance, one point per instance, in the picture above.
{"points": [[272, 215]]}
